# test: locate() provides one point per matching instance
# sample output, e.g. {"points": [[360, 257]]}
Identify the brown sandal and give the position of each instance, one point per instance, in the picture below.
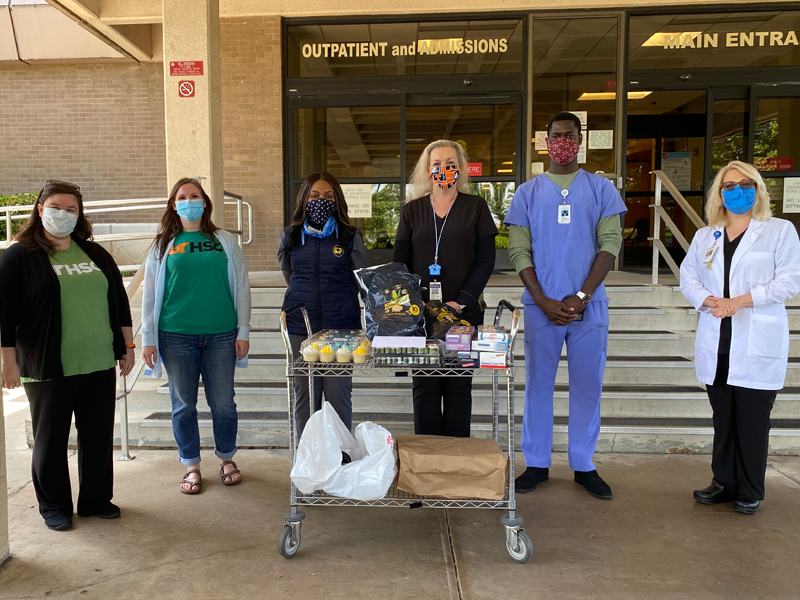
{"points": [[195, 485], [223, 474]]}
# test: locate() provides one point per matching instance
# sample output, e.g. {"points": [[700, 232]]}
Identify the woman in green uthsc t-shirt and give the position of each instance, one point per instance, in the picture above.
{"points": [[196, 321], [65, 322]]}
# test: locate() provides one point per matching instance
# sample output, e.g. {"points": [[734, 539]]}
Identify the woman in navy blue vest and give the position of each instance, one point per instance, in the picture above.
{"points": [[318, 253]]}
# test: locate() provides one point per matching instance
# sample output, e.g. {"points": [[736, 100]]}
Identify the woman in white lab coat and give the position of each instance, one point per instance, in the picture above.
{"points": [[738, 273]]}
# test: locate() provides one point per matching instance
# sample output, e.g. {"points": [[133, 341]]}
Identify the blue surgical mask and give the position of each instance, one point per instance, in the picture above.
{"points": [[191, 210], [739, 201]]}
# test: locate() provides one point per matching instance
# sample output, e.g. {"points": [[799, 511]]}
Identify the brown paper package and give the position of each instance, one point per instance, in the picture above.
{"points": [[450, 467]]}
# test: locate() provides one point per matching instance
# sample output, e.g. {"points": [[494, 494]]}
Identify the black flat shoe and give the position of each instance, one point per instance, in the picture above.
{"points": [[594, 484], [532, 477], [108, 511], [745, 506], [58, 522], [714, 494]]}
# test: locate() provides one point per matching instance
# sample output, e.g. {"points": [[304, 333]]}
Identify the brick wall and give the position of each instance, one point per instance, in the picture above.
{"points": [[102, 127], [252, 127]]}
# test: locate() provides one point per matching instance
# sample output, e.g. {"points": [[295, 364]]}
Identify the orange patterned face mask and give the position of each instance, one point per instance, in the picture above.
{"points": [[446, 178]]}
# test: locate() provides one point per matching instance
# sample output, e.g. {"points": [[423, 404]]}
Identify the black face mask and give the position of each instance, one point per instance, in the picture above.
{"points": [[320, 210]]}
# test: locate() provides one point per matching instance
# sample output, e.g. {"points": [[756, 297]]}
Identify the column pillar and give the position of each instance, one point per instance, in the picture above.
{"points": [[193, 109]]}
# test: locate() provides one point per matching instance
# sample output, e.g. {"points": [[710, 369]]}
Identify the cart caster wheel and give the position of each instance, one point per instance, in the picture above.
{"points": [[524, 549], [287, 544]]}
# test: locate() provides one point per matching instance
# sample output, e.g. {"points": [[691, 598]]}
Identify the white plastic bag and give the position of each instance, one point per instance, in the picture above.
{"points": [[370, 477], [318, 461]]}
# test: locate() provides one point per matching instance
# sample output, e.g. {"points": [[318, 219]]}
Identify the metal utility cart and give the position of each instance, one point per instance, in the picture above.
{"points": [[518, 543]]}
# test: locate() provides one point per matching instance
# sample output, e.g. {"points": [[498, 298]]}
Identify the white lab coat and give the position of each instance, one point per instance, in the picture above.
{"points": [[767, 265]]}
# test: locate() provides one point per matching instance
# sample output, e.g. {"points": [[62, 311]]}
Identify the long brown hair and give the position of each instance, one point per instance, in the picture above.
{"points": [[346, 229], [32, 236], [171, 226]]}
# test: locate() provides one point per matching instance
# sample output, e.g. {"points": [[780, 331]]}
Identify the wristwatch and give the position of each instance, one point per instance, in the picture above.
{"points": [[584, 297]]}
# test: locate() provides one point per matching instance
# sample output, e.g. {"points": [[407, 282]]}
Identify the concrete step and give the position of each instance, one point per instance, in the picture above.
{"points": [[620, 296], [617, 401], [628, 318], [655, 436], [620, 370]]}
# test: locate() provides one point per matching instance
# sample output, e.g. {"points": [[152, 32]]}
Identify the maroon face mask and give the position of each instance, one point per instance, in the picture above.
{"points": [[563, 151]]}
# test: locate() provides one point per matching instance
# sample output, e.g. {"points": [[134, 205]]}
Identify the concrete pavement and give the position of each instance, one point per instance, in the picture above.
{"points": [[651, 541]]}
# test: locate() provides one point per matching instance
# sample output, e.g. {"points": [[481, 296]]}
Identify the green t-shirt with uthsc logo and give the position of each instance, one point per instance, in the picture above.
{"points": [[197, 294], [87, 342]]}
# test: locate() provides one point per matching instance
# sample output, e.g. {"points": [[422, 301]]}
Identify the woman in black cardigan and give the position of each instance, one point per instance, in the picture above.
{"points": [[64, 323], [446, 236]]}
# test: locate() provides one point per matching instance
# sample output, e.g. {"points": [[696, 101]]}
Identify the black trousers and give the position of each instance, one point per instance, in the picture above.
{"points": [[91, 398], [741, 433], [443, 405]]}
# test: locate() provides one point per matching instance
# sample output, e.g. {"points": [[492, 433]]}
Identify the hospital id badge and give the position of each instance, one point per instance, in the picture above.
{"points": [[436, 290], [563, 214], [709, 255]]}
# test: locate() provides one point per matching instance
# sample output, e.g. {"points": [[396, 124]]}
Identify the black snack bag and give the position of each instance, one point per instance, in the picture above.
{"points": [[392, 301], [439, 318]]}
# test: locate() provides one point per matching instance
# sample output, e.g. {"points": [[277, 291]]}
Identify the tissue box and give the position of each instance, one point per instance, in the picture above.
{"points": [[484, 346], [459, 337], [492, 333], [493, 360]]}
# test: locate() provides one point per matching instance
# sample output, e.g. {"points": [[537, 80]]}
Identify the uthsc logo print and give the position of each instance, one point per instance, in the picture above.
{"points": [[192, 247]]}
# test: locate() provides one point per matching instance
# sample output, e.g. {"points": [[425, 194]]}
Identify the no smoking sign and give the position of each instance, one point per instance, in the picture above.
{"points": [[186, 89]]}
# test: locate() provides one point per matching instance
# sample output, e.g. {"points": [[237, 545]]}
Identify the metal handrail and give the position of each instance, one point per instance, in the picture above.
{"points": [[659, 212], [22, 212]]}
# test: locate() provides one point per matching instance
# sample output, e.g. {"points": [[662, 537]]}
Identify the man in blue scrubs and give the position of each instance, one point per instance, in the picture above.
{"points": [[564, 234]]}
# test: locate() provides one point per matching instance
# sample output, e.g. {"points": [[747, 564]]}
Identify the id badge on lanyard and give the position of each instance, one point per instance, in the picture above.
{"points": [[564, 209], [708, 257], [435, 289]]}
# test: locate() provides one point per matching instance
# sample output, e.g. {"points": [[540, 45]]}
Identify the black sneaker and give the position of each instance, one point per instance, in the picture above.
{"points": [[594, 484], [107, 511], [58, 522], [532, 477]]}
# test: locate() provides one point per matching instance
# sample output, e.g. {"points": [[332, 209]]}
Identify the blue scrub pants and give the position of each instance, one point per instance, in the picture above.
{"points": [[587, 345]]}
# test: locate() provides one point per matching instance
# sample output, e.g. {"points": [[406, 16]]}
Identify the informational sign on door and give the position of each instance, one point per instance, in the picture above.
{"points": [[678, 167], [474, 169], [791, 194], [541, 140], [582, 150], [601, 139], [359, 200]]}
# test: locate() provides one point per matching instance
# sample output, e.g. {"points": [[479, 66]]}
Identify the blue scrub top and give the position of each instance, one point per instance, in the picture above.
{"points": [[563, 253]]}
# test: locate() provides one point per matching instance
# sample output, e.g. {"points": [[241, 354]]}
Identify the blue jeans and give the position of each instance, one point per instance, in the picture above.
{"points": [[187, 358]]}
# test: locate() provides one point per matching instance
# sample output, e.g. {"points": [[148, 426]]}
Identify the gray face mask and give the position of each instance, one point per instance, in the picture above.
{"points": [[58, 223]]}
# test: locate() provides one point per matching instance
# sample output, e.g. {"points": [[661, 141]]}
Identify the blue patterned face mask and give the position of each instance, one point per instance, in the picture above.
{"points": [[320, 209]]}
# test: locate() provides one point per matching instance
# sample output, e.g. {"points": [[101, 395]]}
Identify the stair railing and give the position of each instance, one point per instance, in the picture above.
{"points": [[663, 181]]}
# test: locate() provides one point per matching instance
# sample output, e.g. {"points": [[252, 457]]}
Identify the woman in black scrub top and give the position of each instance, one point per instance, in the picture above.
{"points": [[446, 236], [738, 274]]}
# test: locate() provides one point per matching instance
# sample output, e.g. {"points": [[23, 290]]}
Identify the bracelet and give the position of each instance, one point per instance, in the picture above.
{"points": [[131, 346]]}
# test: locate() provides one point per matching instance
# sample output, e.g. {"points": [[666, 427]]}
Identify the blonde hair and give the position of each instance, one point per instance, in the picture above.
{"points": [[717, 214], [420, 183]]}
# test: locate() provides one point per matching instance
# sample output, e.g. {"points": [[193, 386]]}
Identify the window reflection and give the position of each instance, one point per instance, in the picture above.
{"points": [[359, 141], [486, 132], [574, 68], [777, 138]]}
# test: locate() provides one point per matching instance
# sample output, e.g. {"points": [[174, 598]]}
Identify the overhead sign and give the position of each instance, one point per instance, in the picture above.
{"points": [[432, 46], [732, 39], [186, 68], [186, 89], [359, 200]]}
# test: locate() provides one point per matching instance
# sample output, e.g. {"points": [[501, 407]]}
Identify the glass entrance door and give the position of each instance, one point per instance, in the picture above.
{"points": [[372, 145]]}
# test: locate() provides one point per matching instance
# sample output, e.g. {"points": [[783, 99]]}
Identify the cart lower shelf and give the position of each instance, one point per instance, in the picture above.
{"points": [[399, 499]]}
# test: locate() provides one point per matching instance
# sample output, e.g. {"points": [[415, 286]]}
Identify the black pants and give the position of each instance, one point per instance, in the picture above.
{"points": [[91, 398], [741, 433], [443, 405]]}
